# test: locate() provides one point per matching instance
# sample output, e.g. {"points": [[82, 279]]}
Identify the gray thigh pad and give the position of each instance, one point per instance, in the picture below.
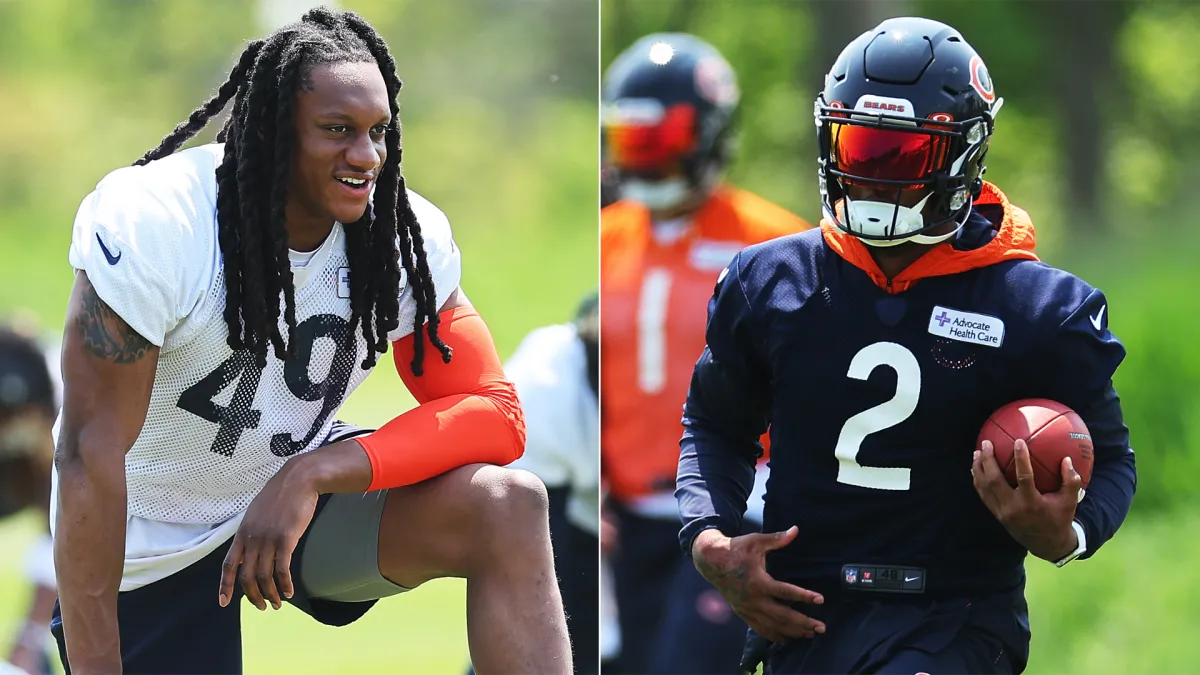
{"points": [[341, 557]]}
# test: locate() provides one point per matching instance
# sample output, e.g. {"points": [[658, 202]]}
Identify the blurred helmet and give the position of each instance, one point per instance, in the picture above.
{"points": [[908, 106], [668, 108], [25, 380]]}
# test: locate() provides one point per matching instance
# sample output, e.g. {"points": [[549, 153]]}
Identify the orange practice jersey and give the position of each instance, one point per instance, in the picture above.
{"points": [[654, 307]]}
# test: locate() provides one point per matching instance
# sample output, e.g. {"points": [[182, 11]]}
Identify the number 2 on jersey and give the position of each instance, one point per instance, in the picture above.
{"points": [[885, 415]]}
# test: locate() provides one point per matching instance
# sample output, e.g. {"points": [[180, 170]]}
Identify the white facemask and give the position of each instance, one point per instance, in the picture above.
{"points": [[660, 195], [875, 219]]}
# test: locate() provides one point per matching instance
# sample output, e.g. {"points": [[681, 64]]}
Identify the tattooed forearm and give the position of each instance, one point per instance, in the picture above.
{"points": [[730, 582], [105, 334]]}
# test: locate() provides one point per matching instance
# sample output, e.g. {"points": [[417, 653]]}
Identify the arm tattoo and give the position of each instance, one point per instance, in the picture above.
{"points": [[731, 582], [105, 334]]}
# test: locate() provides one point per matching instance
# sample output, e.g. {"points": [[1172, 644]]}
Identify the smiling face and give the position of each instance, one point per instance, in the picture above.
{"points": [[341, 120]]}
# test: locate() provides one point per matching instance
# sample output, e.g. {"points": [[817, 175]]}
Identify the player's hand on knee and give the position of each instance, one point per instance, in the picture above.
{"points": [[1039, 522], [737, 568], [260, 557]]}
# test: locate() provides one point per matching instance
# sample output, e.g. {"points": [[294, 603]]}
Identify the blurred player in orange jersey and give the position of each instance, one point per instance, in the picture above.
{"points": [[669, 105]]}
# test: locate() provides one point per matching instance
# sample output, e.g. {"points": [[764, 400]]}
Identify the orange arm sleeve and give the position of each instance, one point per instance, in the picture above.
{"points": [[468, 412]]}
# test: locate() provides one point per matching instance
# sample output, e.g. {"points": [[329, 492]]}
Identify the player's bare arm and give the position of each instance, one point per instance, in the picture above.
{"points": [[108, 371], [1039, 522]]}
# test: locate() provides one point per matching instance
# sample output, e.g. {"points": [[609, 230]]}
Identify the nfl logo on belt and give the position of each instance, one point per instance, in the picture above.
{"points": [[851, 575]]}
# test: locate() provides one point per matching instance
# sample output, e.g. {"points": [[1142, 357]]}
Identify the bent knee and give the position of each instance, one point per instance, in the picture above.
{"points": [[461, 522], [512, 495]]}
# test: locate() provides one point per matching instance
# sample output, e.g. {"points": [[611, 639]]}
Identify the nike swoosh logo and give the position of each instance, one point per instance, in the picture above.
{"points": [[112, 259], [911, 579], [1099, 315]]}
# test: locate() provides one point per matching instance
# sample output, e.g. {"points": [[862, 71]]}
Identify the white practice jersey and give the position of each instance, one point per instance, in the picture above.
{"points": [[218, 426], [562, 442]]}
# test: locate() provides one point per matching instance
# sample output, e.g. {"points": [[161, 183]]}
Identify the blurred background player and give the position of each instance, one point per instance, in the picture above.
{"points": [[28, 406], [669, 105]]}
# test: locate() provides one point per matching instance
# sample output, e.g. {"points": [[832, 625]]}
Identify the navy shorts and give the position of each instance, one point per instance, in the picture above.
{"points": [[175, 625]]}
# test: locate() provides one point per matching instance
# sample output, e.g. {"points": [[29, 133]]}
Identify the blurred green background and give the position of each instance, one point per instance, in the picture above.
{"points": [[1099, 140], [500, 117]]}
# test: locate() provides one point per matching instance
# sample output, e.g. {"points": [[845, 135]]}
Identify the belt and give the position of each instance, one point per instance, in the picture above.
{"points": [[876, 578]]}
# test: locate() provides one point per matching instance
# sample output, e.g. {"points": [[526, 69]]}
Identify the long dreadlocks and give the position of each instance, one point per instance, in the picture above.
{"points": [[252, 191]]}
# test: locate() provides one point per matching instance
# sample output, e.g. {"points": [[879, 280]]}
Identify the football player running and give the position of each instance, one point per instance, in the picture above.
{"points": [[880, 553], [669, 114], [228, 298]]}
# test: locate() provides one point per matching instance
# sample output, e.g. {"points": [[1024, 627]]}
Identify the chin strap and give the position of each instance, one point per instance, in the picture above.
{"points": [[875, 219], [916, 239]]}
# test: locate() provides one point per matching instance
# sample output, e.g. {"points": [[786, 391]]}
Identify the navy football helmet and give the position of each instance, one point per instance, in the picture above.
{"points": [[907, 111], [669, 104]]}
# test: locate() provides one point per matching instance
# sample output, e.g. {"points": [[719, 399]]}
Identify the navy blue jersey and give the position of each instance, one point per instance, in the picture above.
{"points": [[874, 402]]}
